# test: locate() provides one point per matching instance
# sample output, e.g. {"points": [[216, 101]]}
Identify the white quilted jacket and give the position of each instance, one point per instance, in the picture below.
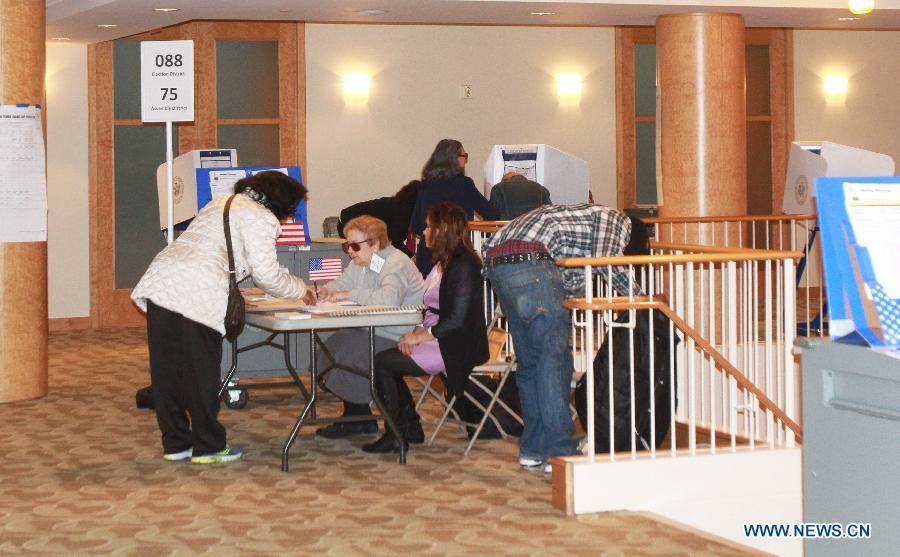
{"points": [[190, 276]]}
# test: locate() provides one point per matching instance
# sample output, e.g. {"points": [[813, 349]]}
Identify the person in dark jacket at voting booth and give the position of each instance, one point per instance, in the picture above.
{"points": [[453, 335], [444, 180]]}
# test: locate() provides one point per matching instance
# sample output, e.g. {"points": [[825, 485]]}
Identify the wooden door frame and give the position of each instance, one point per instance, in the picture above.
{"points": [[111, 306], [781, 97]]}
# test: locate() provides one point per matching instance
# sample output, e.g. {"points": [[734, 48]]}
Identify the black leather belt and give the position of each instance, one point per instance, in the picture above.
{"points": [[518, 258]]}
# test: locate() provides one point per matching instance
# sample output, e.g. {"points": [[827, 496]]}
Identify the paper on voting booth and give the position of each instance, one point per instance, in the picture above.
{"points": [[23, 178], [859, 220]]}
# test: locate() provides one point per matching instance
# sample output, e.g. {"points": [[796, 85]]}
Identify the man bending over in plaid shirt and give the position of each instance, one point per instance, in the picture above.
{"points": [[519, 262]]}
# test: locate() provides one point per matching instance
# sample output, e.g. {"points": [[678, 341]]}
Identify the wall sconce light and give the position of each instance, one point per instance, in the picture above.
{"points": [[356, 86], [835, 85], [835, 90], [568, 85], [861, 7]]}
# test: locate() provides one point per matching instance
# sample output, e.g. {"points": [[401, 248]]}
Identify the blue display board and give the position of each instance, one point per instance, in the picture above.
{"points": [[859, 219], [206, 176]]}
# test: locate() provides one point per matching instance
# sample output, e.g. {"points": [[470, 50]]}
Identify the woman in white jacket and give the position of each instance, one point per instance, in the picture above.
{"points": [[185, 293]]}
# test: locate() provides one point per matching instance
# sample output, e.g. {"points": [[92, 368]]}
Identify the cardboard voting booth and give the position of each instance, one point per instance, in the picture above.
{"points": [[810, 160], [213, 182], [565, 176], [184, 186], [859, 220]]}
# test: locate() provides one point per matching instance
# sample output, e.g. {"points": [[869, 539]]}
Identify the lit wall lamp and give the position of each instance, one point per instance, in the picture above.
{"points": [[861, 7], [835, 89], [568, 86], [356, 86]]}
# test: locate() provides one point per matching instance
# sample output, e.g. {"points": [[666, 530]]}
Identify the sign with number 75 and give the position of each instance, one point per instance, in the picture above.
{"points": [[167, 81]]}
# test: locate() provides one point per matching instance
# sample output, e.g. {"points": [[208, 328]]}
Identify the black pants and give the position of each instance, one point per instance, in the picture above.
{"points": [[391, 366], [184, 367]]}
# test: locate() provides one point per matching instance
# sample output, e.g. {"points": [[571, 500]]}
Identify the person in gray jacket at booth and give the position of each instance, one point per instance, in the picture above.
{"points": [[185, 294], [515, 195], [378, 274]]}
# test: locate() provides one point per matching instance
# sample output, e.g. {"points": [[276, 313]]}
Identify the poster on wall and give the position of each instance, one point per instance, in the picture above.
{"points": [[23, 177]]}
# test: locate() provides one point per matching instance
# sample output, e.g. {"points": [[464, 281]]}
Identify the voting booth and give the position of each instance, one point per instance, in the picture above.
{"points": [[566, 177], [809, 160], [184, 183]]}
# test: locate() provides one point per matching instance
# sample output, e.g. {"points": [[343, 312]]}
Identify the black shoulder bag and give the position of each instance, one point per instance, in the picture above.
{"points": [[234, 312]]}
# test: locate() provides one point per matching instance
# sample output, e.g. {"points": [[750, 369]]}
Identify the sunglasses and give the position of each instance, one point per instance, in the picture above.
{"points": [[464, 156], [355, 246]]}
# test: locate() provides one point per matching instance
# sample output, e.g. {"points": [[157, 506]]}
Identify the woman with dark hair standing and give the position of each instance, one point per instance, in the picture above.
{"points": [[395, 211], [185, 293], [444, 180], [452, 337]]}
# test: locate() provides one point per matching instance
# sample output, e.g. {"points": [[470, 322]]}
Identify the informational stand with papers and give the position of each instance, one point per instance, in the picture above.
{"points": [[860, 223], [23, 179]]}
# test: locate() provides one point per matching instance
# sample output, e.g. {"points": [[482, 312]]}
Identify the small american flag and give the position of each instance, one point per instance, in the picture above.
{"points": [[291, 234], [324, 268]]}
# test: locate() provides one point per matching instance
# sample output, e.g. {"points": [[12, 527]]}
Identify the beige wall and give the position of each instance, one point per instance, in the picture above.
{"points": [[417, 70], [358, 153], [869, 115], [67, 181]]}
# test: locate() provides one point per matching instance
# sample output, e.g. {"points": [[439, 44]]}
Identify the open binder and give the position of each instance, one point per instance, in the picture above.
{"points": [[859, 220]]}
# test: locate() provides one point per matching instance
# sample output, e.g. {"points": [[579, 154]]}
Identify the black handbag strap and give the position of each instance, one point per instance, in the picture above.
{"points": [[228, 238]]}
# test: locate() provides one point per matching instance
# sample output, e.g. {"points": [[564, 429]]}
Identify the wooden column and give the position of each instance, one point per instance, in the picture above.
{"points": [[702, 116], [23, 266]]}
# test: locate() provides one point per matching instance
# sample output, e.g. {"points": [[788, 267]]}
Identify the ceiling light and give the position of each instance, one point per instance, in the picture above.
{"points": [[543, 13], [107, 25], [861, 7], [371, 11], [60, 39], [166, 10]]}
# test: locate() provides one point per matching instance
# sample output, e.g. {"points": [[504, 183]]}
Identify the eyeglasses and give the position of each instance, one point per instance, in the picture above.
{"points": [[355, 246], [464, 156]]}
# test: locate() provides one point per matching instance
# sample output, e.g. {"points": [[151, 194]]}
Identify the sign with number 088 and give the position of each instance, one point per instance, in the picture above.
{"points": [[167, 81]]}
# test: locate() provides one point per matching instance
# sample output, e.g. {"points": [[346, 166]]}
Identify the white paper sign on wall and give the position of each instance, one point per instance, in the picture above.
{"points": [[167, 81]]}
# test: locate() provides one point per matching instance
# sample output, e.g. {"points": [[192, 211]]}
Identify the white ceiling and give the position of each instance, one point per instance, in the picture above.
{"points": [[78, 19]]}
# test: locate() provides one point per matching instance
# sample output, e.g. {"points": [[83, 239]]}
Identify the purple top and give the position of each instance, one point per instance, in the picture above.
{"points": [[428, 354]]}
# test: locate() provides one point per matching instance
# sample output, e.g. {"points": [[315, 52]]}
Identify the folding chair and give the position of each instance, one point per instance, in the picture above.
{"points": [[502, 363]]}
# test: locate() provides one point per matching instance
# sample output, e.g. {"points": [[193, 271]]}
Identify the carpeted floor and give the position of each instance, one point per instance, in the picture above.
{"points": [[81, 474]]}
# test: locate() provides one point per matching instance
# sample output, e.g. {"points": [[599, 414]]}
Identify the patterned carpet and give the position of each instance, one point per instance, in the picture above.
{"points": [[82, 475]]}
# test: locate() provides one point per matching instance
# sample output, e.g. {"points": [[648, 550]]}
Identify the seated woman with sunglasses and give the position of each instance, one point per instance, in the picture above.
{"points": [[452, 337], [378, 274]]}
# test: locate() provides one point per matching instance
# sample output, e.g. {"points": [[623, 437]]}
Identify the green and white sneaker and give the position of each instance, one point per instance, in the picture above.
{"points": [[175, 457], [228, 454]]}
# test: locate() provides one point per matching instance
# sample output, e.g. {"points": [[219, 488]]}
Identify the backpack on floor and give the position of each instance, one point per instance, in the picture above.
{"points": [[622, 385]]}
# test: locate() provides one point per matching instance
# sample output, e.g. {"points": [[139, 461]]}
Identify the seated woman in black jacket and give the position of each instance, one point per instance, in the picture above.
{"points": [[452, 336]]}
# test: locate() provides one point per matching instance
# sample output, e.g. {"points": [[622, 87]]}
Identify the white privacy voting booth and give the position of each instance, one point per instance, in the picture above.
{"points": [[565, 176], [809, 160], [184, 187]]}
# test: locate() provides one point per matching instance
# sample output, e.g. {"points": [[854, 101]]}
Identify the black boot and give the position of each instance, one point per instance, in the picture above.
{"points": [[387, 443], [345, 429]]}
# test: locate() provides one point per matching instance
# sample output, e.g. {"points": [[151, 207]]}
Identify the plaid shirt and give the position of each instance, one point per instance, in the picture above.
{"points": [[581, 230]]}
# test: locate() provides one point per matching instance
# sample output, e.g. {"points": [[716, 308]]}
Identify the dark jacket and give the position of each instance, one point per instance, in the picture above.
{"points": [[518, 195], [395, 215], [461, 332], [460, 190]]}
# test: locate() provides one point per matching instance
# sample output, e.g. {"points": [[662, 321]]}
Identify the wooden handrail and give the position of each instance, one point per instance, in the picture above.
{"points": [[622, 303], [487, 225], [700, 248], [725, 257], [744, 218]]}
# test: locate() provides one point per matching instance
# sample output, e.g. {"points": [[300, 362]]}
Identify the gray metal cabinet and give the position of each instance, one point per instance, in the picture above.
{"points": [[851, 445]]}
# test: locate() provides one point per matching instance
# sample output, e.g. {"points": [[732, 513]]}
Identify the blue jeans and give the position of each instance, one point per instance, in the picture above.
{"points": [[531, 295]]}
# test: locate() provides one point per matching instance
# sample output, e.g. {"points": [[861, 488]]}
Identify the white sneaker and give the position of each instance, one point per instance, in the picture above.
{"points": [[530, 462], [174, 457]]}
